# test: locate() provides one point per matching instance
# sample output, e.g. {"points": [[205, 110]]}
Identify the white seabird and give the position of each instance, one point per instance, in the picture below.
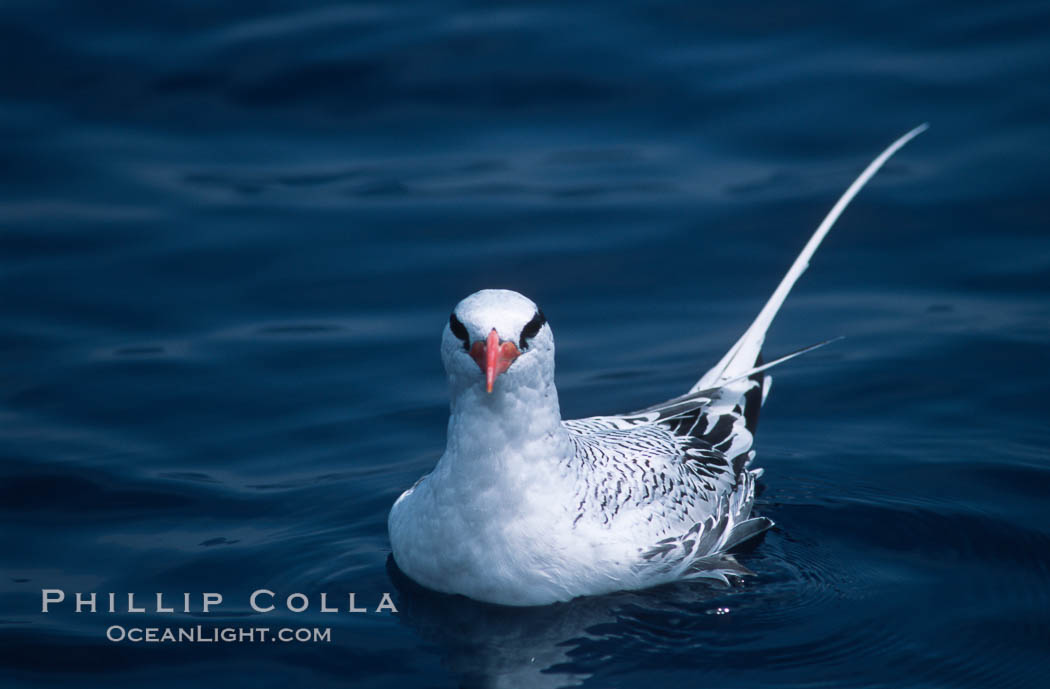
{"points": [[525, 508]]}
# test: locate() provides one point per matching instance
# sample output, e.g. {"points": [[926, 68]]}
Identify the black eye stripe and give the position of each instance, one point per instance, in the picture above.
{"points": [[531, 328], [459, 330]]}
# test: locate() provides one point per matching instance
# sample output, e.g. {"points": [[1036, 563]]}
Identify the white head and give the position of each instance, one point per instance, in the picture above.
{"points": [[497, 333]]}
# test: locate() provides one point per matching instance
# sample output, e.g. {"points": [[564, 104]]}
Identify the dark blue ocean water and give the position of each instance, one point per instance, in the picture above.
{"points": [[230, 235]]}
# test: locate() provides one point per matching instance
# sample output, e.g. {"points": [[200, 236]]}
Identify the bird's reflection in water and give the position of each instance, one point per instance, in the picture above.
{"points": [[558, 645]]}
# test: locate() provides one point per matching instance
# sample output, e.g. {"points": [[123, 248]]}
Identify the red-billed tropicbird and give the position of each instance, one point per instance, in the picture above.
{"points": [[525, 508]]}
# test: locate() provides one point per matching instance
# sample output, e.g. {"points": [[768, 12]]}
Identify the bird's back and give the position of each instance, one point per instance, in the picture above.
{"points": [[672, 479]]}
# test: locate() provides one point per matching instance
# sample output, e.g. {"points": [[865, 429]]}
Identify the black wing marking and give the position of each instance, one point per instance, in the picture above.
{"points": [[683, 458]]}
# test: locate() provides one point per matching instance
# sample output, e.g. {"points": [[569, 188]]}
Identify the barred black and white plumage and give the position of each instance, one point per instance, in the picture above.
{"points": [[525, 508], [684, 465]]}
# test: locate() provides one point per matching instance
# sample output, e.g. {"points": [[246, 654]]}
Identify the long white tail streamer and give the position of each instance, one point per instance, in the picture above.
{"points": [[742, 355]]}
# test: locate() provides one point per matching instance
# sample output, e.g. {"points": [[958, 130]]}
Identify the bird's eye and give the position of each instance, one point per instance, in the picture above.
{"points": [[459, 330], [530, 329]]}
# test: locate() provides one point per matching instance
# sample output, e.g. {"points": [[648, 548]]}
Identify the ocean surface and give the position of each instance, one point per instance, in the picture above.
{"points": [[231, 234]]}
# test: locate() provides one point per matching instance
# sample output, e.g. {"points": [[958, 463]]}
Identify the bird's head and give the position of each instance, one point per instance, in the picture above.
{"points": [[497, 334]]}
